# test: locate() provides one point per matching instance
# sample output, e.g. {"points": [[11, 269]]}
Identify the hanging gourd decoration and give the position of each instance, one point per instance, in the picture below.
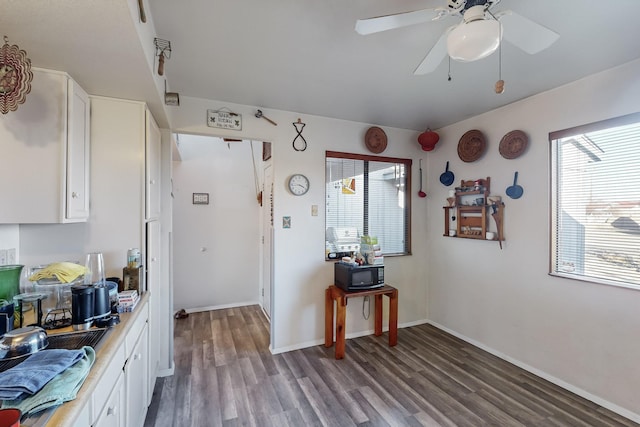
{"points": [[15, 77], [428, 139]]}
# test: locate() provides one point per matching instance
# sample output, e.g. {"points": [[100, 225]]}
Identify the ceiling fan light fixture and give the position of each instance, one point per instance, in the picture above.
{"points": [[474, 40]]}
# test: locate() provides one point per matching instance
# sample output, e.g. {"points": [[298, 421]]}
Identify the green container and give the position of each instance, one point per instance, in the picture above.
{"points": [[10, 281], [10, 285]]}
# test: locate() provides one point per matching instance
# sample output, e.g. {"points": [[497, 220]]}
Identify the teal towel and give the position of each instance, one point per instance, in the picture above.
{"points": [[30, 376], [62, 388]]}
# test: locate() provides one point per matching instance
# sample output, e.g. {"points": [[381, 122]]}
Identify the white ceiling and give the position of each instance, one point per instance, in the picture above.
{"points": [[304, 55]]}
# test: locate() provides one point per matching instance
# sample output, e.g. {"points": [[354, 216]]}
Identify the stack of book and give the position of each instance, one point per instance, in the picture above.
{"points": [[127, 300]]}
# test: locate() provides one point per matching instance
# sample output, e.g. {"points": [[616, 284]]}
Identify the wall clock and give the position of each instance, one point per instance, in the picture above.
{"points": [[15, 77], [298, 184]]}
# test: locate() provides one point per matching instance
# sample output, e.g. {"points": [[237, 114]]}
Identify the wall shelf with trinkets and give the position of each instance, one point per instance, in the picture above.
{"points": [[469, 210]]}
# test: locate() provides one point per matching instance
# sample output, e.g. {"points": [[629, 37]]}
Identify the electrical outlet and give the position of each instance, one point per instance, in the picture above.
{"points": [[3, 257], [11, 256]]}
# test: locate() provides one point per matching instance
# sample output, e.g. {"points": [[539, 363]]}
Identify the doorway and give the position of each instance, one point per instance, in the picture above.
{"points": [[217, 223]]}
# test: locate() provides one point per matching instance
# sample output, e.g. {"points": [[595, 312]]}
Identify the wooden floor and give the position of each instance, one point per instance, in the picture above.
{"points": [[226, 376]]}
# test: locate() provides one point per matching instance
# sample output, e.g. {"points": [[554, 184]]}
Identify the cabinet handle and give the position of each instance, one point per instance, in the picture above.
{"points": [[75, 195], [112, 410]]}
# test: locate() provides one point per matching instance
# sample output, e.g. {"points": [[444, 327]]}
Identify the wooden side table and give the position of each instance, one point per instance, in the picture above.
{"points": [[334, 293]]}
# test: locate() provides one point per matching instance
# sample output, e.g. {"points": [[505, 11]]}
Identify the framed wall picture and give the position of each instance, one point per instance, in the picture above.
{"points": [[266, 151], [200, 198]]}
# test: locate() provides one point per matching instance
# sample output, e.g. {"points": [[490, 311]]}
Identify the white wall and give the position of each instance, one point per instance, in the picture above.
{"points": [[583, 334], [216, 246], [10, 239], [300, 273]]}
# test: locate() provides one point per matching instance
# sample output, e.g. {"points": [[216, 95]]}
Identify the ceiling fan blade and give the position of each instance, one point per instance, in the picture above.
{"points": [[526, 34], [398, 20], [435, 56]]}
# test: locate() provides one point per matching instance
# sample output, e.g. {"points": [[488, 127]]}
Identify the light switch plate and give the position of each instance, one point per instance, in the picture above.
{"points": [[314, 210], [11, 256]]}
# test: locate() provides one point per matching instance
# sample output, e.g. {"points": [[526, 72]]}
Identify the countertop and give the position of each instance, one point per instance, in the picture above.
{"points": [[66, 414]]}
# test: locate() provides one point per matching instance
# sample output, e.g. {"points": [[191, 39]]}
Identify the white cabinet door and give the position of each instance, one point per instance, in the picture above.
{"points": [[38, 158], [113, 412], [77, 184], [136, 381], [153, 152], [153, 285]]}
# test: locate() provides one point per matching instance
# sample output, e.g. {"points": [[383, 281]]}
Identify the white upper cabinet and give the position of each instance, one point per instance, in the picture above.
{"points": [[77, 191], [44, 166], [152, 168]]}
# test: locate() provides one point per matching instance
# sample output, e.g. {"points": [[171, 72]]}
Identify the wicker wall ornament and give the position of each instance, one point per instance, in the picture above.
{"points": [[15, 77], [471, 146]]}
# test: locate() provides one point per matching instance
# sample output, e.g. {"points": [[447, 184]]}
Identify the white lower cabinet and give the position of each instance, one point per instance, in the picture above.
{"points": [[136, 380], [113, 413], [121, 397]]}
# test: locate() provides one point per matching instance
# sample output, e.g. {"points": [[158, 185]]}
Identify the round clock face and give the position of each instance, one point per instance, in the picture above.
{"points": [[298, 184]]}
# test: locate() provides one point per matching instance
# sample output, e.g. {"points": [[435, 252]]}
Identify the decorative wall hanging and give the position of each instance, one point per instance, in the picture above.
{"points": [[266, 151], [515, 191], [471, 146], [171, 98], [304, 141], [163, 50], [428, 139], [143, 16], [224, 119], [513, 144], [259, 115], [15, 76], [375, 139], [447, 177]]}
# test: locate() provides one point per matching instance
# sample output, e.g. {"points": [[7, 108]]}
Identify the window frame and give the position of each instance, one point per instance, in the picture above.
{"points": [[553, 191], [407, 210]]}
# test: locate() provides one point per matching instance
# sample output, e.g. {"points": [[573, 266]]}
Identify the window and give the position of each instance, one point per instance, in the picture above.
{"points": [[595, 188], [367, 195]]}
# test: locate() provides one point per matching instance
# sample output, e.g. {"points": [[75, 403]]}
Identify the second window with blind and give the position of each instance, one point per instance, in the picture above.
{"points": [[595, 211]]}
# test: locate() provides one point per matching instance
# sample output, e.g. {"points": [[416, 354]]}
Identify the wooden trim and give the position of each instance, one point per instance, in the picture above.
{"points": [[409, 192], [341, 155]]}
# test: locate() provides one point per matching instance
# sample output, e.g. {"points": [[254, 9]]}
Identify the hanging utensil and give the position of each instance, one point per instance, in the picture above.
{"points": [[498, 219], [421, 193], [515, 191], [447, 176], [259, 115], [143, 16]]}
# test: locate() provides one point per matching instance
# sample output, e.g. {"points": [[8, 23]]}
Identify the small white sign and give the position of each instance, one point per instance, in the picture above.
{"points": [[224, 120]]}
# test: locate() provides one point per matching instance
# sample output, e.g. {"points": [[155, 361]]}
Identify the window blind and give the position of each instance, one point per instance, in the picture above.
{"points": [[369, 194], [596, 202]]}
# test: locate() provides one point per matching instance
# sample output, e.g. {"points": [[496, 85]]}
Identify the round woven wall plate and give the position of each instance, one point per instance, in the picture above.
{"points": [[471, 146], [375, 139], [513, 144]]}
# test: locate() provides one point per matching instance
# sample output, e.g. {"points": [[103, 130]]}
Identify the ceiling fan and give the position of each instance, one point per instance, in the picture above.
{"points": [[477, 36]]}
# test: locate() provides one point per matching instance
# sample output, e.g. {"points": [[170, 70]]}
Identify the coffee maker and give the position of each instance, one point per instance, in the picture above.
{"points": [[82, 307]]}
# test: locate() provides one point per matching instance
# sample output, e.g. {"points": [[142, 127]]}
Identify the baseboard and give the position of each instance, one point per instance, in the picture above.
{"points": [[167, 372], [576, 390], [219, 307], [347, 336]]}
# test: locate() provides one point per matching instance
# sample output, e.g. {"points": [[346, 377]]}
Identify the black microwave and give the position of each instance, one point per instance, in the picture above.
{"points": [[354, 278]]}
